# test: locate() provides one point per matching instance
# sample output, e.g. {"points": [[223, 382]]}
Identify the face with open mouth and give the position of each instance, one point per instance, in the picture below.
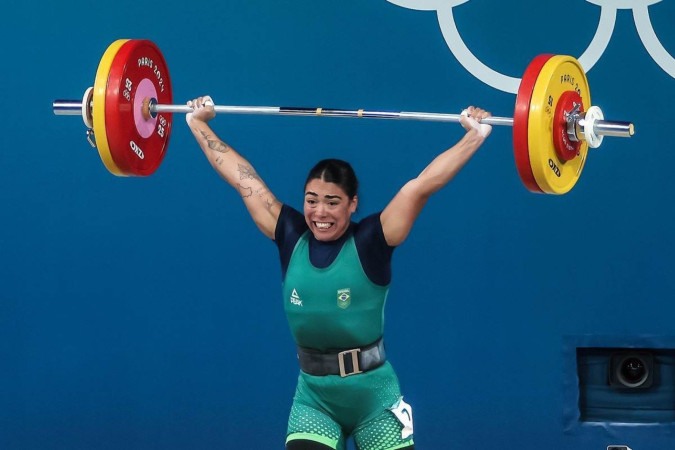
{"points": [[328, 209]]}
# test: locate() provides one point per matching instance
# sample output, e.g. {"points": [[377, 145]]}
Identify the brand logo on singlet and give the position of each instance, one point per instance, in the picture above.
{"points": [[344, 297], [295, 298]]}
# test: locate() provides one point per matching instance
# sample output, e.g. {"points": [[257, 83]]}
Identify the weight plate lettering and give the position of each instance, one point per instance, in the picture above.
{"points": [[138, 72], [553, 174]]}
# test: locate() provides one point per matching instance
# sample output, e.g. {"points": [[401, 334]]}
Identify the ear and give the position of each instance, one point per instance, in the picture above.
{"points": [[354, 203]]}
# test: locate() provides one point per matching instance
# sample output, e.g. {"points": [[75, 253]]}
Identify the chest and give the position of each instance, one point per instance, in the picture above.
{"points": [[342, 284], [332, 307]]}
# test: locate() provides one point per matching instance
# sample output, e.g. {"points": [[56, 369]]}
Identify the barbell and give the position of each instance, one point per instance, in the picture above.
{"points": [[128, 115]]}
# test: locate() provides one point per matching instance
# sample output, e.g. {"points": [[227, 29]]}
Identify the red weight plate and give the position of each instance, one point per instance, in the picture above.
{"points": [[521, 150], [137, 144], [566, 149]]}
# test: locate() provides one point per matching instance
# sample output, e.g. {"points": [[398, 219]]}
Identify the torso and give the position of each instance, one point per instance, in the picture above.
{"points": [[330, 296]]}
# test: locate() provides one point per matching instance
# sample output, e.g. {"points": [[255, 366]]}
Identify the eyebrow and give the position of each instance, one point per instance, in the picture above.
{"points": [[328, 197]]}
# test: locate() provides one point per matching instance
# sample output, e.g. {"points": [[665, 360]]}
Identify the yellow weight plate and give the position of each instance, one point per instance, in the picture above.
{"points": [[560, 74], [98, 106]]}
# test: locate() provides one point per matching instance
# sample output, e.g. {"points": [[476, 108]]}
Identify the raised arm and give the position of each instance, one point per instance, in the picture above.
{"points": [[234, 168], [400, 214]]}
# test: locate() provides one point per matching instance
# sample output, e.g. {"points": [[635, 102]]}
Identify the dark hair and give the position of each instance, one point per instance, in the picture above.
{"points": [[335, 171]]}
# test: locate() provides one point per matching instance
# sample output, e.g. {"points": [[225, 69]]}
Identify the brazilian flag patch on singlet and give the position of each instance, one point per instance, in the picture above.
{"points": [[344, 298]]}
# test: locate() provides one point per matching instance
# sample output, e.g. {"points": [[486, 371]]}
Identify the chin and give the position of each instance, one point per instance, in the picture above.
{"points": [[325, 237]]}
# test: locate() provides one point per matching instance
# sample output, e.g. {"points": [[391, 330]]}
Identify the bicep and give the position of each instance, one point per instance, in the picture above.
{"points": [[400, 214], [261, 204]]}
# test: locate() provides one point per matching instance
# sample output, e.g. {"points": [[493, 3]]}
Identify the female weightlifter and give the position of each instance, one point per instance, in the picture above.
{"points": [[336, 275]]}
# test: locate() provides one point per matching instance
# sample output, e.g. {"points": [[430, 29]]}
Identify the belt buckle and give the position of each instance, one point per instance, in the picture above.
{"points": [[355, 362]]}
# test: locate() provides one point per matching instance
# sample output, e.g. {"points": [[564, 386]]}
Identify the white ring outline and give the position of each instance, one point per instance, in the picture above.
{"points": [[588, 58], [656, 50]]}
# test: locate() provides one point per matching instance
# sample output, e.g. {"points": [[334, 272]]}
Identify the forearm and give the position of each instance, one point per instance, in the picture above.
{"points": [[446, 165], [223, 158]]}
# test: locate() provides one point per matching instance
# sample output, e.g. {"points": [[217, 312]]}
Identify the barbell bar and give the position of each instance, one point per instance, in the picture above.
{"points": [[600, 127], [128, 112], [74, 108]]}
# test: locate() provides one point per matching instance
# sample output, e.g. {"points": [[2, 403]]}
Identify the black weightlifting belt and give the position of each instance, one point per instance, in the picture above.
{"points": [[342, 362]]}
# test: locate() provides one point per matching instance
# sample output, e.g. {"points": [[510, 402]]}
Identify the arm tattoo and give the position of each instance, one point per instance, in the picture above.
{"points": [[215, 144], [245, 191], [264, 194], [247, 173], [269, 202]]}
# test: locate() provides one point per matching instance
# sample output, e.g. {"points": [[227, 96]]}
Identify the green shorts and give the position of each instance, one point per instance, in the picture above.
{"points": [[367, 406]]}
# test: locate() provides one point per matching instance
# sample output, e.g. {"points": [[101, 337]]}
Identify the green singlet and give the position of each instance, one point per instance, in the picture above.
{"points": [[333, 308]]}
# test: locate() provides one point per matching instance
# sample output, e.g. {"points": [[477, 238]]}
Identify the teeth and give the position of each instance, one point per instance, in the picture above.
{"points": [[322, 225]]}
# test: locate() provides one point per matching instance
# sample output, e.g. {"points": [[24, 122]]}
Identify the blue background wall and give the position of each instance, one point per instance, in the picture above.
{"points": [[145, 313]]}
